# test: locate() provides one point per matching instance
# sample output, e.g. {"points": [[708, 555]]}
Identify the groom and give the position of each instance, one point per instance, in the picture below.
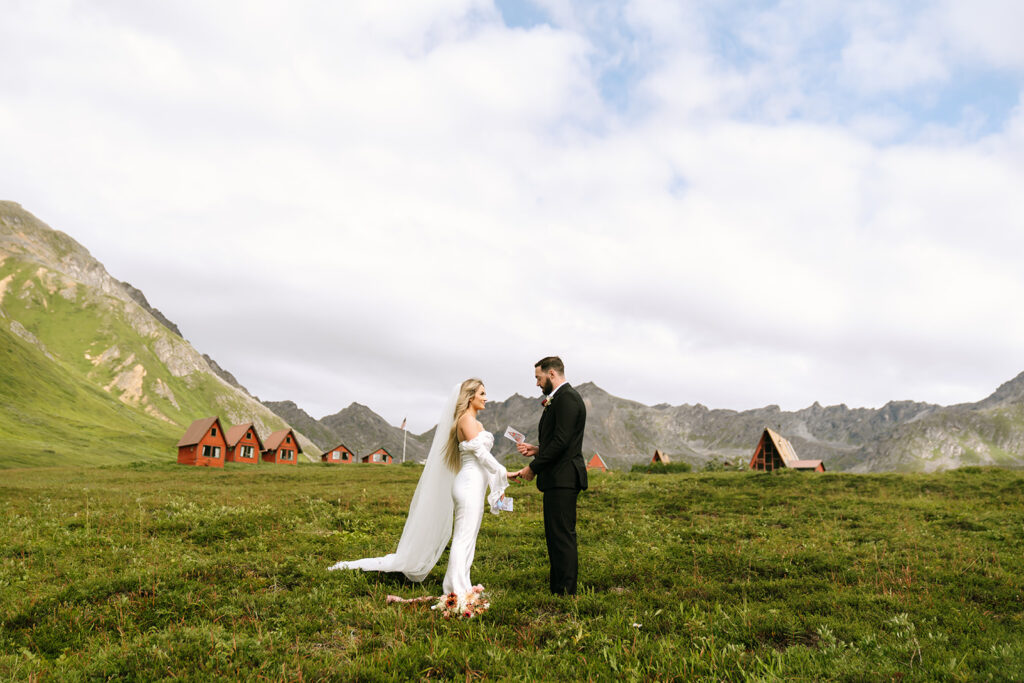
{"points": [[559, 468]]}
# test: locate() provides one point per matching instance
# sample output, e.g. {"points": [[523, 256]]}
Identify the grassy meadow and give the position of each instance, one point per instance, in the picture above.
{"points": [[147, 571]]}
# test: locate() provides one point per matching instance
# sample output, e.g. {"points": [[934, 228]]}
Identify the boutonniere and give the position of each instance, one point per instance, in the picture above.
{"points": [[545, 401]]}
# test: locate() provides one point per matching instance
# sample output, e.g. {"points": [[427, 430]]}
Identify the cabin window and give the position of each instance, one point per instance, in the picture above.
{"points": [[211, 451], [248, 435], [246, 451], [288, 440], [336, 455], [213, 432]]}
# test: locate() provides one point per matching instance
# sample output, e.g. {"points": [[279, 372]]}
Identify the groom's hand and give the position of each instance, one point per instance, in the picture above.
{"points": [[529, 450], [526, 473]]}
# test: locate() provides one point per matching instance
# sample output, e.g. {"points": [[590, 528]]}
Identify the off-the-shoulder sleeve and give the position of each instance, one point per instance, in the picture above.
{"points": [[497, 479]]}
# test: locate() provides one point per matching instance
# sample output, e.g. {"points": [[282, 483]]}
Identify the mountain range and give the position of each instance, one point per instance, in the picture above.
{"points": [[899, 436], [92, 373]]}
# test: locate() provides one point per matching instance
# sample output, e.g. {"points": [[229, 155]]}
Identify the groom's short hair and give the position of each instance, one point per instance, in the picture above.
{"points": [[551, 363]]}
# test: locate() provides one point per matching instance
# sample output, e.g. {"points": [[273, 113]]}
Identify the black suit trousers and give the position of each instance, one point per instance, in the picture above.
{"points": [[560, 533]]}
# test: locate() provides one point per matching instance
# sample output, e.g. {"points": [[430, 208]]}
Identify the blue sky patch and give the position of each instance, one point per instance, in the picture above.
{"points": [[521, 14]]}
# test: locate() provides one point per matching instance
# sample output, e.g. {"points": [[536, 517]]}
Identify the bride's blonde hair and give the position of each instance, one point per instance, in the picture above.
{"points": [[466, 393]]}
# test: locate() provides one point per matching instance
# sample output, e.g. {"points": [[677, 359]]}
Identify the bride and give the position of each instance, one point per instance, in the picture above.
{"points": [[450, 494]]}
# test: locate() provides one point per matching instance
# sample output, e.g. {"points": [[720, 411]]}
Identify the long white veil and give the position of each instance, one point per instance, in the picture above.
{"points": [[428, 527]]}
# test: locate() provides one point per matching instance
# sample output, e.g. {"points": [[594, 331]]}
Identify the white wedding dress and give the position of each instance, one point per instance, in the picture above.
{"points": [[446, 505], [479, 470]]}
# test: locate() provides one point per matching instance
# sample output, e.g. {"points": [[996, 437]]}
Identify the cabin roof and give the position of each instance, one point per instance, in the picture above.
{"points": [[783, 446], [197, 430], [235, 434], [804, 464], [275, 440]]}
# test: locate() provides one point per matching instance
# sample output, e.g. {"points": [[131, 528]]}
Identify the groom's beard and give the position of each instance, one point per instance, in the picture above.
{"points": [[547, 387]]}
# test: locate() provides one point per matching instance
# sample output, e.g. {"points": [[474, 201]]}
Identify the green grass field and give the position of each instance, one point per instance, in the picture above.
{"points": [[155, 570]]}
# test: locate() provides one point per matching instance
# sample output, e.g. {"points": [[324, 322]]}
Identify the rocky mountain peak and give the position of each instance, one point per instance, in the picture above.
{"points": [[1007, 393], [356, 410], [363, 431], [28, 238], [140, 298]]}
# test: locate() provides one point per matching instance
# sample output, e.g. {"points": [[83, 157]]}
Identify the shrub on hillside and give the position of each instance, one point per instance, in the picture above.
{"points": [[725, 466], [661, 468]]}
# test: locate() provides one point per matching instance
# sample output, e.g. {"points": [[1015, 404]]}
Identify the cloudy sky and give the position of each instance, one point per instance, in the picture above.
{"points": [[730, 203]]}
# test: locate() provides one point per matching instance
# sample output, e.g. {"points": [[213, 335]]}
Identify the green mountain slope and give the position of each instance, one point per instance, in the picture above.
{"points": [[84, 352], [49, 416]]}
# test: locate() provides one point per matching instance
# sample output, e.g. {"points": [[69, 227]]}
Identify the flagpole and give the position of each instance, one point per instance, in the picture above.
{"points": [[405, 437]]}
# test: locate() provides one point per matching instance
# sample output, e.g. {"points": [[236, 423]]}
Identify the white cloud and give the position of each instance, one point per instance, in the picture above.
{"points": [[875, 64], [416, 197], [988, 30]]}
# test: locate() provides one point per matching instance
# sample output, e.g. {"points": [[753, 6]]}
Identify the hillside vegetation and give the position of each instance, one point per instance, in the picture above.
{"points": [[49, 416], [153, 571], [90, 375]]}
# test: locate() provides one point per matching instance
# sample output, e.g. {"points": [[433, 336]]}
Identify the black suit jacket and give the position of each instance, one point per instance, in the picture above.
{"points": [[559, 460]]}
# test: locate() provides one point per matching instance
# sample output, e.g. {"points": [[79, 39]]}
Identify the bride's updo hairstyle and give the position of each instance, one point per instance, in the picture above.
{"points": [[466, 393]]}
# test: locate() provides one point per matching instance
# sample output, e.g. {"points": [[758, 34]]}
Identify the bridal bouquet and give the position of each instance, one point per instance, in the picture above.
{"points": [[465, 606]]}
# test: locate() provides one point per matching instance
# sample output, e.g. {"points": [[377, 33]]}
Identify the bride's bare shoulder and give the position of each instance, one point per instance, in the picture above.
{"points": [[469, 427]]}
